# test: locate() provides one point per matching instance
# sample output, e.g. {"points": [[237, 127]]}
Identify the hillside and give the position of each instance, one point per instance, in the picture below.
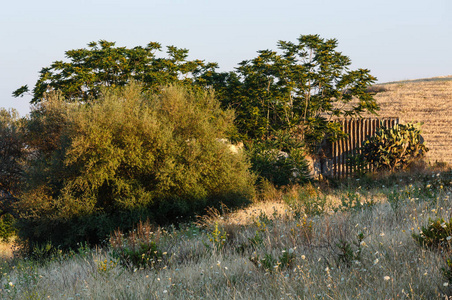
{"points": [[423, 100]]}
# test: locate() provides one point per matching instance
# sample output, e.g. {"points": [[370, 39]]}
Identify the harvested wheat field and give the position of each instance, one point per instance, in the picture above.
{"points": [[424, 100]]}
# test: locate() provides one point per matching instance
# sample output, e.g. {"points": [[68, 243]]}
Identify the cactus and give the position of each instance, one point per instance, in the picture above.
{"points": [[393, 148]]}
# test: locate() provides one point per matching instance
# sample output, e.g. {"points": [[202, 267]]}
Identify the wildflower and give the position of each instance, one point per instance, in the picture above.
{"points": [[303, 257], [376, 261], [165, 291], [386, 278], [443, 225], [11, 284], [446, 284], [382, 234]]}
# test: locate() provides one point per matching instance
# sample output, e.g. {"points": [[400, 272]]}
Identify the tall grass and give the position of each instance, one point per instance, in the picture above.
{"points": [[355, 242]]}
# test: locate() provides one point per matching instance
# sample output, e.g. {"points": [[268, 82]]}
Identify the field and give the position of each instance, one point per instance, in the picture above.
{"points": [[349, 240], [379, 236], [427, 101]]}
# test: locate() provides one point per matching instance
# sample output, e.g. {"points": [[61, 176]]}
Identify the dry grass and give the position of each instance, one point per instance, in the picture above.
{"points": [[390, 265], [428, 101]]}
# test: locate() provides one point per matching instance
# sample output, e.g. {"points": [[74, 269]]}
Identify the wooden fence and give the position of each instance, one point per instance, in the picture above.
{"points": [[338, 154]]}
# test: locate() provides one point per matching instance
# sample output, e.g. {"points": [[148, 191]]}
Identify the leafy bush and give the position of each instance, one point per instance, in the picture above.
{"points": [[437, 234], [270, 263], [7, 229], [12, 152], [280, 160], [350, 252], [393, 148], [129, 156]]}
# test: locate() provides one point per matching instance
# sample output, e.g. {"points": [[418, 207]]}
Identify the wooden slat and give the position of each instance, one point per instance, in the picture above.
{"points": [[358, 131]]}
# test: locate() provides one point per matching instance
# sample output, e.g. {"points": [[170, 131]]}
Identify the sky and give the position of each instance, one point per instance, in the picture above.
{"points": [[395, 39]]}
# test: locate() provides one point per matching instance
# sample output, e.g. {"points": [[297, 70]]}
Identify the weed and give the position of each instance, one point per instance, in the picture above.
{"points": [[217, 238], [139, 249], [287, 258], [350, 252], [437, 235], [104, 267], [447, 271]]}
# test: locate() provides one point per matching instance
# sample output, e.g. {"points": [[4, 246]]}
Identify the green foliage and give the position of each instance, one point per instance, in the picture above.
{"points": [[12, 151], [394, 148], [307, 202], [298, 88], [314, 206], [447, 271], [350, 252], [287, 258], [217, 238], [354, 202], [138, 249], [128, 156], [270, 264], [7, 229], [437, 235], [87, 71], [280, 160]]}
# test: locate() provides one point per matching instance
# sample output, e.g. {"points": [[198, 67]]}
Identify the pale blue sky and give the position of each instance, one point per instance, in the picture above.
{"points": [[395, 39]]}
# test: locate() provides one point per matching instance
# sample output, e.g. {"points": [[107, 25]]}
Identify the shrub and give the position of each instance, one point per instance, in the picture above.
{"points": [[349, 252], [129, 156], [393, 148], [12, 152], [437, 235], [138, 249], [7, 229], [280, 160], [375, 89]]}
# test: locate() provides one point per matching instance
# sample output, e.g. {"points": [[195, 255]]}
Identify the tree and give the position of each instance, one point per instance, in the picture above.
{"points": [[129, 156], [299, 89], [12, 154], [103, 64]]}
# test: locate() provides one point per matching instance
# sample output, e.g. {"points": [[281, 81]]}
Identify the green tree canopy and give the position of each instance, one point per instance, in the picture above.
{"points": [[128, 156], [102, 64], [299, 88], [12, 151]]}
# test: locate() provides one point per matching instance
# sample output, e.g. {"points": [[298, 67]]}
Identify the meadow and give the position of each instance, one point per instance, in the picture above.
{"points": [[347, 239]]}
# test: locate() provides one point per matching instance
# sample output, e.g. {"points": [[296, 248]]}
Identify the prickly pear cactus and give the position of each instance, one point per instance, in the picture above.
{"points": [[394, 148]]}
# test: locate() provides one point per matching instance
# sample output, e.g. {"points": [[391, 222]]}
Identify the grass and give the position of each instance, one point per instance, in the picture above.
{"points": [[354, 241]]}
